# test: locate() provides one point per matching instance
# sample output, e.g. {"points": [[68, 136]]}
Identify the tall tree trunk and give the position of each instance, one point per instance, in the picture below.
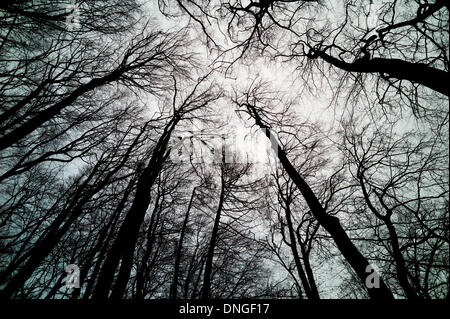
{"points": [[190, 274], [62, 224], [174, 286], [293, 245], [423, 74], [104, 233], [124, 245], [206, 289], [199, 276], [400, 265], [308, 269], [331, 224], [151, 234]]}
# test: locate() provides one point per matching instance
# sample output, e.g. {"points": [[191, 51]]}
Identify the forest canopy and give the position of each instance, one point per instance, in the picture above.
{"points": [[197, 149]]}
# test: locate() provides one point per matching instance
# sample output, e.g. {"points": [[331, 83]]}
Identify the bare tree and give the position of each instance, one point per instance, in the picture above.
{"points": [[124, 245], [395, 49], [115, 157], [331, 223], [401, 176]]}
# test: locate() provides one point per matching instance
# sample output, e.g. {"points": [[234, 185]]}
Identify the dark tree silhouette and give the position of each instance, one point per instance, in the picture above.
{"points": [[128, 149]]}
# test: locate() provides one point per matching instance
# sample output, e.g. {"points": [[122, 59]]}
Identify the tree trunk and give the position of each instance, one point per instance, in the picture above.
{"points": [[174, 286], [331, 224], [423, 74], [293, 246], [309, 272], [401, 269], [124, 245], [206, 290], [151, 234], [61, 225]]}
